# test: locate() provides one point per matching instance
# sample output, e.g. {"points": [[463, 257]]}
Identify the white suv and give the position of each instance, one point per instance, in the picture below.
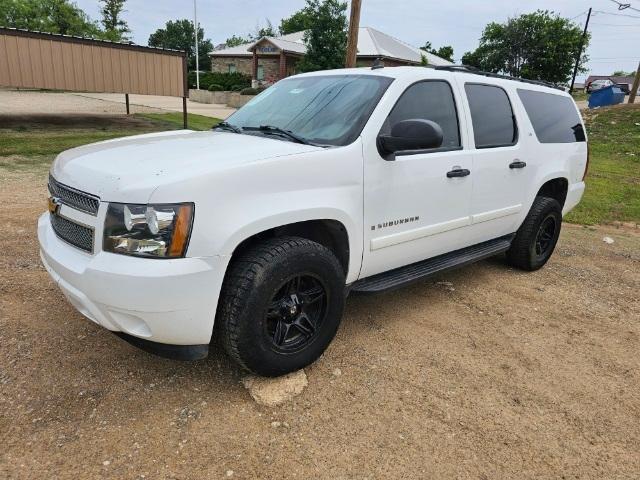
{"points": [[326, 183]]}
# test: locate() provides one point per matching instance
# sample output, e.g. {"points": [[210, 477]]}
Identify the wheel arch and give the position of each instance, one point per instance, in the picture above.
{"points": [[556, 187], [330, 232]]}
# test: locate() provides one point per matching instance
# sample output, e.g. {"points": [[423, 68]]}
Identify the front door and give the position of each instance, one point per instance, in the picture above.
{"points": [[417, 205]]}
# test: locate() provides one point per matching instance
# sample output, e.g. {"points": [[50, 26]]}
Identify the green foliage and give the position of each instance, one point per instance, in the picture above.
{"points": [[612, 192], [266, 31], [326, 37], [173, 120], [215, 87], [424, 61], [180, 35], [52, 16], [115, 28], [225, 80], [445, 52], [299, 21], [235, 40], [622, 73], [537, 46], [249, 91]]}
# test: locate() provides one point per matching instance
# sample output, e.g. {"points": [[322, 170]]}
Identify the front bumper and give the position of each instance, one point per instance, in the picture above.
{"points": [[170, 301]]}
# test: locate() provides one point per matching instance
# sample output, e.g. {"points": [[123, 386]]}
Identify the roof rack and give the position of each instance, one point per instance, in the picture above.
{"points": [[475, 71]]}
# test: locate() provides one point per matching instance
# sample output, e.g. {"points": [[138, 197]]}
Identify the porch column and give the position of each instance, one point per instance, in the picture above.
{"points": [[283, 65], [254, 69]]}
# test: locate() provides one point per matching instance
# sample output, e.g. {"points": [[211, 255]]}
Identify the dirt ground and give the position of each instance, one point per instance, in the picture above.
{"points": [[481, 373]]}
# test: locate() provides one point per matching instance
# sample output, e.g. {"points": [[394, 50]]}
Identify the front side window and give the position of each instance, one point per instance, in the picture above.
{"points": [[494, 124], [554, 117], [327, 110], [428, 100]]}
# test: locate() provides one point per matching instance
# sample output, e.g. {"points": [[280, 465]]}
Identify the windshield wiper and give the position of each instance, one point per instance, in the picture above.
{"points": [[280, 131], [227, 126]]}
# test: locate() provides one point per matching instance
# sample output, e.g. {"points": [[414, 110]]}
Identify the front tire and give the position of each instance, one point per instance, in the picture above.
{"points": [[281, 305], [537, 236]]}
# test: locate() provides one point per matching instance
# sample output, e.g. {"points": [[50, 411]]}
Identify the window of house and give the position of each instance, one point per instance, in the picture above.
{"points": [[232, 68], [260, 74], [494, 124], [554, 117], [429, 100]]}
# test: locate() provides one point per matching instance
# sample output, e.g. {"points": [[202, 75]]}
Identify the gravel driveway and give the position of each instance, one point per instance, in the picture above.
{"points": [[481, 373]]}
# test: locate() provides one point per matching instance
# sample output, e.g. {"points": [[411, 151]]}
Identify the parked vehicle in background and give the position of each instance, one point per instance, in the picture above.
{"points": [[598, 84], [324, 184]]}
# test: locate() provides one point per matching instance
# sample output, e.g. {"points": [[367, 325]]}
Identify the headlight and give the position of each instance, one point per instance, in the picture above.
{"points": [[159, 231]]}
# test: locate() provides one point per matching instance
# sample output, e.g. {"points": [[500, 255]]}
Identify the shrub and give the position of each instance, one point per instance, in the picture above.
{"points": [[215, 87], [237, 88], [226, 80], [249, 91]]}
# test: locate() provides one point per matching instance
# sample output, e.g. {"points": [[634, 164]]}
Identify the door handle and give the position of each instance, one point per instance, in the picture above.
{"points": [[458, 172], [517, 164]]}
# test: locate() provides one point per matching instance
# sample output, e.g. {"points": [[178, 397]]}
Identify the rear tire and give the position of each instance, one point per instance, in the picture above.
{"points": [[537, 236], [281, 305]]}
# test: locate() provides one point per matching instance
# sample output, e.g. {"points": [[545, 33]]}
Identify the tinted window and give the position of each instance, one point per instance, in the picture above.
{"points": [[493, 122], [554, 117], [430, 100]]}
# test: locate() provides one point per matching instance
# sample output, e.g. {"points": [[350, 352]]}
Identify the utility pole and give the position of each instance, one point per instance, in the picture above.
{"points": [[352, 42], [584, 38], [636, 85], [195, 28]]}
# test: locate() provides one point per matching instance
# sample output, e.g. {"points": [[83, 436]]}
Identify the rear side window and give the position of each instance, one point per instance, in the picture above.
{"points": [[554, 117], [428, 100], [494, 124]]}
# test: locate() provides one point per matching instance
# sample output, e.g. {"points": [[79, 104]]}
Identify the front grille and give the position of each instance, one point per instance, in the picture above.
{"points": [[77, 235], [74, 198]]}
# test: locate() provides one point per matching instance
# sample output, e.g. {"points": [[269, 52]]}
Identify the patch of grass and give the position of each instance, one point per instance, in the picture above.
{"points": [[579, 95], [31, 143], [174, 120], [613, 182]]}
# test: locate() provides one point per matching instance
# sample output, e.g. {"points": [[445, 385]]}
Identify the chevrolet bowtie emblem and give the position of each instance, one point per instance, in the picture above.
{"points": [[54, 205]]}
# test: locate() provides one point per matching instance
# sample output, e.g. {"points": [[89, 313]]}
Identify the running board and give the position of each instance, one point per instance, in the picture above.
{"points": [[402, 276]]}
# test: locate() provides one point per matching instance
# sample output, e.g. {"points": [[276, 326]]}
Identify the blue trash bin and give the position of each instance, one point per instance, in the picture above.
{"points": [[606, 96]]}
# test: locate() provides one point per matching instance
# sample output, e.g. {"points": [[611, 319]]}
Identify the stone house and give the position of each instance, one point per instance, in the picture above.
{"points": [[270, 59]]}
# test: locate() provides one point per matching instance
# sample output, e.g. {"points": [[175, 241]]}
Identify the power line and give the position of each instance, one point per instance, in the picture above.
{"points": [[624, 6], [615, 14]]}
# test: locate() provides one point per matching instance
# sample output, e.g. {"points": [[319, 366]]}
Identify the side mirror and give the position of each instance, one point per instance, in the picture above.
{"points": [[413, 134]]}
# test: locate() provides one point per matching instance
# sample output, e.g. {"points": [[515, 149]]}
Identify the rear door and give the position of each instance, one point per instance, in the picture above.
{"points": [[501, 166]]}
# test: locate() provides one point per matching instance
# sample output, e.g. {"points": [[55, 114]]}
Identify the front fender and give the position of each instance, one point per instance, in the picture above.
{"points": [[281, 219]]}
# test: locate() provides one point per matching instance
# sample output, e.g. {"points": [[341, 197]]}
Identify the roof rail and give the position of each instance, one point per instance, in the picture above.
{"points": [[475, 71]]}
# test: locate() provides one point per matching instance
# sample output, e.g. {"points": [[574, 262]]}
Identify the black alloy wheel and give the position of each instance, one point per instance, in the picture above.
{"points": [[546, 235], [296, 313]]}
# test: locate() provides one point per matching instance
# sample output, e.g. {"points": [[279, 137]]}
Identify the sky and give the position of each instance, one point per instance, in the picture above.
{"points": [[615, 42]]}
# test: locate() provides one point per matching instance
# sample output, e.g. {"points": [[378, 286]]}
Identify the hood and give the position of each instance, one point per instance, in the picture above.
{"points": [[129, 169]]}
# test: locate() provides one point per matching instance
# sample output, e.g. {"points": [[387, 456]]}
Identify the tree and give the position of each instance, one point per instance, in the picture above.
{"points": [[297, 22], [445, 52], [52, 16], [537, 46], [115, 28], [622, 73], [326, 37], [180, 35], [266, 31], [234, 41]]}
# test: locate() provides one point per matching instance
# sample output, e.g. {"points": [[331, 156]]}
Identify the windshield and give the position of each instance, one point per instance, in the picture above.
{"points": [[324, 110]]}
